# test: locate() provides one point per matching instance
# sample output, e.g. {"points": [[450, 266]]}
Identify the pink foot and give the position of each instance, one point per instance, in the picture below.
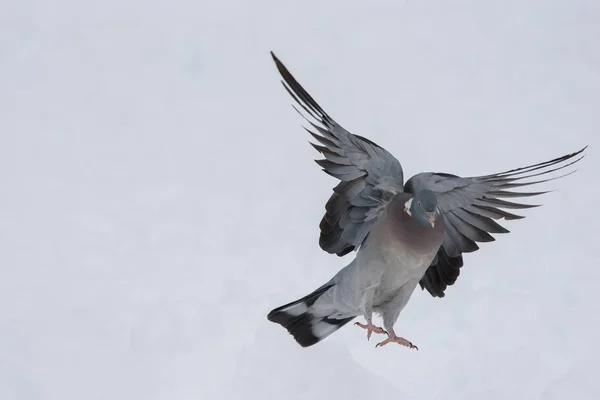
{"points": [[392, 338], [370, 328]]}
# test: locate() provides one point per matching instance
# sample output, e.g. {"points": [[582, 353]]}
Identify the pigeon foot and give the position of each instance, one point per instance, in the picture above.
{"points": [[370, 328], [397, 339]]}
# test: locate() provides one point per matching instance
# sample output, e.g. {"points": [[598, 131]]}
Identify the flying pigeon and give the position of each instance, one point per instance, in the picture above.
{"points": [[404, 234]]}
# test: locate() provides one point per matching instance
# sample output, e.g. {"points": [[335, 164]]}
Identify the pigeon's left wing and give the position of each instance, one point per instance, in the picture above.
{"points": [[470, 207], [369, 175]]}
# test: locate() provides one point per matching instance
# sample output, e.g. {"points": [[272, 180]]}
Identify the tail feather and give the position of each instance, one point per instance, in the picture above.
{"points": [[305, 327]]}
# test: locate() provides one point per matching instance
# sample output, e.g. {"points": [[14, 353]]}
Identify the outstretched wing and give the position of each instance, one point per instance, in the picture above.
{"points": [[470, 207], [369, 175]]}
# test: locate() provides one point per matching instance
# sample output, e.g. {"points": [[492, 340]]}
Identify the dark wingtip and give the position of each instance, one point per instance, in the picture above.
{"points": [[582, 150], [274, 56], [576, 153], [280, 67]]}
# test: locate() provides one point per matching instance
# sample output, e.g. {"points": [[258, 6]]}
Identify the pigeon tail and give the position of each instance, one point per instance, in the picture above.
{"points": [[304, 326]]}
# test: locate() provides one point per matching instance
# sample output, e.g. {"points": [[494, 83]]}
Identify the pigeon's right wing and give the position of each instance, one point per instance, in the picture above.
{"points": [[470, 207], [370, 176]]}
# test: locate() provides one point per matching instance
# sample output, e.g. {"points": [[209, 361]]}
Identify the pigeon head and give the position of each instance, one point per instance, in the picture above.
{"points": [[423, 208]]}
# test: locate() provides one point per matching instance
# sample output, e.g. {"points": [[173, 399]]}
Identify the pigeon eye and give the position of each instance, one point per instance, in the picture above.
{"points": [[419, 203]]}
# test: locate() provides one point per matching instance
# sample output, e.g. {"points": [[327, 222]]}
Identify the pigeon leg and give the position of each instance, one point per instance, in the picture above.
{"points": [[368, 294], [370, 328], [392, 338]]}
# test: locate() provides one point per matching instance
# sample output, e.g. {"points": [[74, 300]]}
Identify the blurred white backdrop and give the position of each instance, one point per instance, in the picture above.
{"points": [[158, 195]]}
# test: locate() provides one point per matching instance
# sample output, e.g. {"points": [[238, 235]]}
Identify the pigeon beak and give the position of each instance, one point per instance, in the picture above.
{"points": [[431, 218]]}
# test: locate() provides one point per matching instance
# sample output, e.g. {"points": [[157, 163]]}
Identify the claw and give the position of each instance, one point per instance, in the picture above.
{"points": [[371, 328], [399, 340]]}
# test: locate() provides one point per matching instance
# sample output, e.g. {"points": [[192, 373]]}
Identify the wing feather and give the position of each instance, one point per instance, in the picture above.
{"points": [[472, 205], [369, 175]]}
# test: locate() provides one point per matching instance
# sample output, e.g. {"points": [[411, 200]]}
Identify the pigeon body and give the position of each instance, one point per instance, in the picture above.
{"points": [[381, 279], [404, 234]]}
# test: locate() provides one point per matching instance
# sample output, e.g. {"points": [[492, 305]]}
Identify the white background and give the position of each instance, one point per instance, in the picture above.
{"points": [[158, 195]]}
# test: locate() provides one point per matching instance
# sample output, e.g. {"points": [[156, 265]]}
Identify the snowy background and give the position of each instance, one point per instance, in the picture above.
{"points": [[158, 195]]}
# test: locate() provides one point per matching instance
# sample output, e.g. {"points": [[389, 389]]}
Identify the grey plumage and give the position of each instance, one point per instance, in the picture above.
{"points": [[372, 282], [405, 234]]}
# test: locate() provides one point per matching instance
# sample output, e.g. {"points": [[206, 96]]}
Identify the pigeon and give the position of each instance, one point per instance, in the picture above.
{"points": [[404, 234]]}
